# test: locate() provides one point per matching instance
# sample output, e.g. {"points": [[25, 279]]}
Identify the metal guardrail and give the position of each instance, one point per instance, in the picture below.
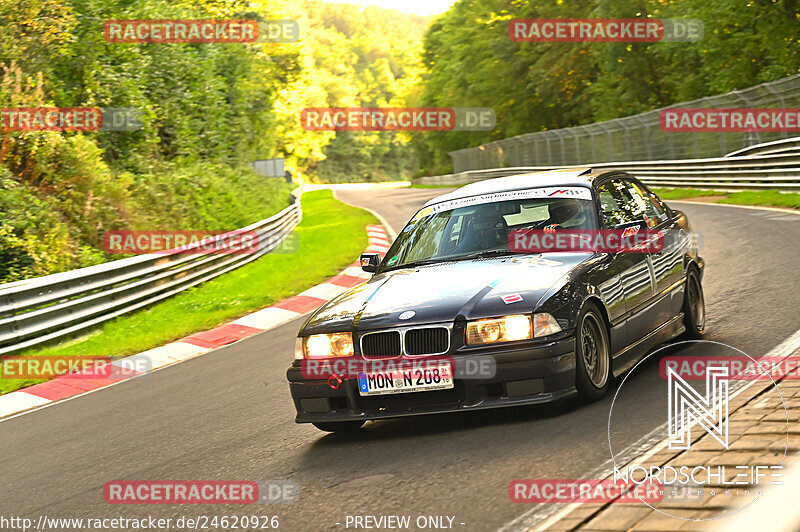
{"points": [[768, 148], [43, 309], [779, 170], [637, 137]]}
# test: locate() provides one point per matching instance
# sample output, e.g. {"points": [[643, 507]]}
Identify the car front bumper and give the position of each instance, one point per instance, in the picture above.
{"points": [[529, 374]]}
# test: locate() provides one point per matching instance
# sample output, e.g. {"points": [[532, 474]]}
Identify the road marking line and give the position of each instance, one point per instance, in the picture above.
{"points": [[300, 304], [60, 401], [356, 271], [325, 291], [261, 319], [783, 218], [155, 358], [19, 400]]}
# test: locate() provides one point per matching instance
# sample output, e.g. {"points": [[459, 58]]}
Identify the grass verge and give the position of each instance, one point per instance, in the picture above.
{"points": [[330, 237], [686, 193], [765, 198]]}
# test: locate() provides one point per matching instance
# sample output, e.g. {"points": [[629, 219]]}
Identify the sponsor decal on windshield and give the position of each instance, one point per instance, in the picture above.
{"points": [[544, 192]]}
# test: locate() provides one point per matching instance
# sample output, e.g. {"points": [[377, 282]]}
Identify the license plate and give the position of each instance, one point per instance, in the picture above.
{"points": [[423, 379]]}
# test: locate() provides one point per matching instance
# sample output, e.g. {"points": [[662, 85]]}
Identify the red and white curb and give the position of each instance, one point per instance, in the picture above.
{"points": [[262, 320]]}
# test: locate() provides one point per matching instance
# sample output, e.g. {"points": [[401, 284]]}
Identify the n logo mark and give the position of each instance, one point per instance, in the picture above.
{"points": [[685, 405]]}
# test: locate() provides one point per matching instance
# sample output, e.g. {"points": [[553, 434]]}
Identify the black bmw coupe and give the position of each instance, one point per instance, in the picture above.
{"points": [[459, 317]]}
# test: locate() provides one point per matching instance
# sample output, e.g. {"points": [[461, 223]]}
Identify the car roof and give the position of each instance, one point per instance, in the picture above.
{"points": [[564, 177]]}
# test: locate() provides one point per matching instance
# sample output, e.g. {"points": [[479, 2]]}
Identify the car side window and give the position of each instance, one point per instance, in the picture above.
{"points": [[617, 204], [654, 210]]}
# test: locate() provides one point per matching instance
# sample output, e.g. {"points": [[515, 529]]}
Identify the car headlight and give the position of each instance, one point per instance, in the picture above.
{"points": [[510, 328], [326, 345], [505, 329]]}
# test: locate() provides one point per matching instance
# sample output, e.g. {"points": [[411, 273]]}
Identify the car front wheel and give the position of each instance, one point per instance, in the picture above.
{"points": [[593, 371]]}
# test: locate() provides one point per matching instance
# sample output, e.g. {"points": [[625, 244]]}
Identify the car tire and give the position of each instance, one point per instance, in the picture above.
{"points": [[592, 354], [340, 426], [694, 306]]}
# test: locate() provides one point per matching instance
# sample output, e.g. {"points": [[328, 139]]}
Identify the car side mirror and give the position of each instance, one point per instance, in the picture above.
{"points": [[370, 262]]}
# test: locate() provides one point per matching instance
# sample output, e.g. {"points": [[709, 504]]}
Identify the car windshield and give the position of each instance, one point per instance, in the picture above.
{"points": [[478, 230]]}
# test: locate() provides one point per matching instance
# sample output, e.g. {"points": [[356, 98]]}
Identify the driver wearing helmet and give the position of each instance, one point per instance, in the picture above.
{"points": [[561, 213]]}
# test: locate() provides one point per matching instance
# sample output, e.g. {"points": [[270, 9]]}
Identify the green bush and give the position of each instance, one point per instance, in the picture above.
{"points": [[206, 111]]}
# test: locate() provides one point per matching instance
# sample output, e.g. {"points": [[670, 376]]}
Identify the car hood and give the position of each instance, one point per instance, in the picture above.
{"points": [[441, 292]]}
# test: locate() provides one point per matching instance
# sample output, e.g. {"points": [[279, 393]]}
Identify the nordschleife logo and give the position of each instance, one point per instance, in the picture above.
{"points": [[685, 405]]}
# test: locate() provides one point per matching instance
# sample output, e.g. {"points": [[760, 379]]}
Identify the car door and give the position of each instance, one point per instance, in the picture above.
{"points": [[635, 272], [667, 263]]}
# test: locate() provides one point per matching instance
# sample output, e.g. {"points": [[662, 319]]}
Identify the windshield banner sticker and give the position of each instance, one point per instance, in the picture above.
{"points": [[544, 192]]}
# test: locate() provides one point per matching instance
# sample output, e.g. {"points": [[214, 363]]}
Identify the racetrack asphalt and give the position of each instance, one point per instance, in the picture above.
{"points": [[227, 415]]}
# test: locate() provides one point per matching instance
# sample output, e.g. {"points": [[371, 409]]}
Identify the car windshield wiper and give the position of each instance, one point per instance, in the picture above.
{"points": [[485, 254], [478, 255], [414, 264]]}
